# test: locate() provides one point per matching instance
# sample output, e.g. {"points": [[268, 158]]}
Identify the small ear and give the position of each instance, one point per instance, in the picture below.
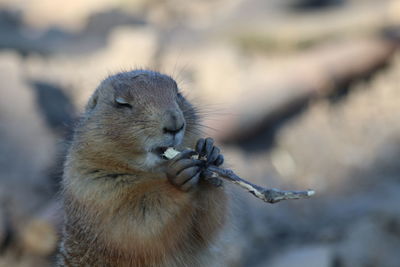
{"points": [[92, 101]]}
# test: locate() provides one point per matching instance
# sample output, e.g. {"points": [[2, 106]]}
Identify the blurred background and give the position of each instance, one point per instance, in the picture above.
{"points": [[299, 93]]}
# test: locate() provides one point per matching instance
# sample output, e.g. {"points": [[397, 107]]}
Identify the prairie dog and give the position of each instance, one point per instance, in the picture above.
{"points": [[124, 204]]}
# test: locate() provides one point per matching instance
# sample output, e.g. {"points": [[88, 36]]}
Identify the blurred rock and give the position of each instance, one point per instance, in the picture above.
{"points": [[5, 229], [349, 155], [26, 142], [307, 256], [128, 48], [195, 14], [266, 32], [55, 106], [12, 35], [40, 13], [367, 244], [394, 12], [26, 39], [313, 4], [41, 233], [27, 152], [227, 80], [38, 237], [333, 144]]}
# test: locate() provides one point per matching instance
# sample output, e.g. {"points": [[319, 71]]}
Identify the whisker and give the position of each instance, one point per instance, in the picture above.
{"points": [[203, 126], [196, 131]]}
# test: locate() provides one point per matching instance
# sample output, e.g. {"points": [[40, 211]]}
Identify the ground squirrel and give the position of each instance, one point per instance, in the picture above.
{"points": [[125, 205]]}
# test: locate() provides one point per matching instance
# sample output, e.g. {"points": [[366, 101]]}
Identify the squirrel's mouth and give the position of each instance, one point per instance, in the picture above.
{"points": [[159, 151]]}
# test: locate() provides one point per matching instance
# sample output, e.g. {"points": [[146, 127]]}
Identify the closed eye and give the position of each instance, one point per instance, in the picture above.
{"points": [[122, 102]]}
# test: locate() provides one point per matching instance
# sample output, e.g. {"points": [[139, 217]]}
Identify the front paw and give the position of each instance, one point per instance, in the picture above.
{"points": [[211, 154], [183, 171], [206, 150]]}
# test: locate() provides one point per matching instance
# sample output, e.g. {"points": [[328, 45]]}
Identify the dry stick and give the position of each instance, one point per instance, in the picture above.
{"points": [[272, 195]]}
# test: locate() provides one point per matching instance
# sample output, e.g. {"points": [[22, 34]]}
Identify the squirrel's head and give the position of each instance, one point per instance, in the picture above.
{"points": [[136, 115]]}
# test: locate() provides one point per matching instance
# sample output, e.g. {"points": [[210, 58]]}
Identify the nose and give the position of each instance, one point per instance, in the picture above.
{"points": [[174, 123]]}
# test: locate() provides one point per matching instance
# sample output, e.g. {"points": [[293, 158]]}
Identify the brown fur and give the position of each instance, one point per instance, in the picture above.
{"points": [[121, 210]]}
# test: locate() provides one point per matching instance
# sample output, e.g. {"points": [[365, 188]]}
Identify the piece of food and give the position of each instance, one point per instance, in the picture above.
{"points": [[171, 153]]}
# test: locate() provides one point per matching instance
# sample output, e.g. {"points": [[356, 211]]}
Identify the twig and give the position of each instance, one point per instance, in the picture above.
{"points": [[268, 195]]}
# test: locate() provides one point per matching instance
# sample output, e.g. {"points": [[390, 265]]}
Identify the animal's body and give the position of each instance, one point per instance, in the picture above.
{"points": [[124, 204]]}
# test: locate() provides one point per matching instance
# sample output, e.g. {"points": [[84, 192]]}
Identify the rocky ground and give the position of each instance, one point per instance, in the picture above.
{"points": [[301, 94]]}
